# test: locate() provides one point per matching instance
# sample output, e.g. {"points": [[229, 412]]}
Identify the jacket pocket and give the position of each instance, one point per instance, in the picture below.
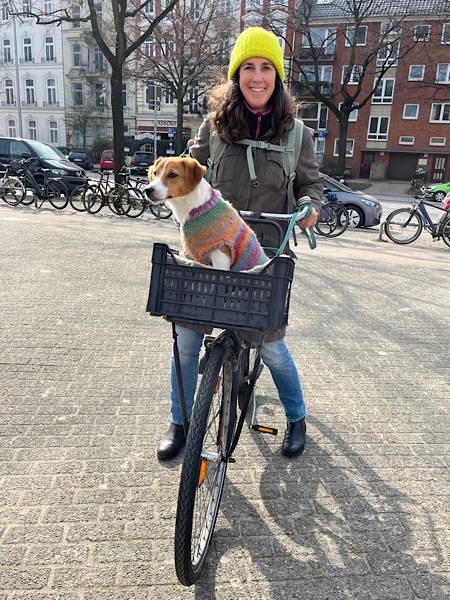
{"points": [[269, 169]]}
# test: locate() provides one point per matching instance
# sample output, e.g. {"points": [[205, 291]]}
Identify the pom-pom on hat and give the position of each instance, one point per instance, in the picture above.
{"points": [[256, 41]]}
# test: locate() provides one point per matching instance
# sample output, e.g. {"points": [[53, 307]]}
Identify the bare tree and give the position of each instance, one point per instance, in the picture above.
{"points": [[82, 118], [125, 26], [372, 50], [192, 46]]}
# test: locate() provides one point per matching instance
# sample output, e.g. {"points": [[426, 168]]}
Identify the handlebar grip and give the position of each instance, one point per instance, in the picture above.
{"points": [[304, 210]]}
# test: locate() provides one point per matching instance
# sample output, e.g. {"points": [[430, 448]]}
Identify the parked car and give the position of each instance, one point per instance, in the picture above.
{"points": [[47, 157], [364, 210], [437, 191], [107, 160], [141, 161], [81, 158]]}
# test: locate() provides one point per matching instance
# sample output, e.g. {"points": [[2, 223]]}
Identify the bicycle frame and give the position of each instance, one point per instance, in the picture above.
{"points": [[428, 223]]}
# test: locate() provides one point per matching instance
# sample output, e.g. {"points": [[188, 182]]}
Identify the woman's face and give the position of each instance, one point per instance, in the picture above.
{"points": [[257, 77]]}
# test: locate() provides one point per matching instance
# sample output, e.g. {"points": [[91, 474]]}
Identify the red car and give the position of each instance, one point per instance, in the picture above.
{"points": [[107, 160]]}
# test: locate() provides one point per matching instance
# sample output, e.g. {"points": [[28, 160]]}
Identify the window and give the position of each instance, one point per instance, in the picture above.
{"points": [[29, 92], [27, 51], [149, 9], [100, 131], [352, 116], [7, 51], [51, 92], [443, 73], [49, 49], [384, 92], [446, 33], [193, 100], [48, 6], [124, 94], [356, 36], [355, 75], [440, 113], [5, 12], [416, 72], [324, 77], [76, 14], [378, 128], [168, 48], [26, 7], [195, 9], [76, 55], [100, 94], [53, 132], [168, 96], [438, 141], [77, 91], [153, 96], [149, 48], [253, 5], [422, 33], [406, 140], [9, 91], [321, 37], [349, 145], [12, 128], [99, 10], [98, 60], [32, 130], [410, 111], [389, 44]]}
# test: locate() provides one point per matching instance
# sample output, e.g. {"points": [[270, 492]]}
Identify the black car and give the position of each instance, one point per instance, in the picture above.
{"points": [[47, 157], [141, 161], [81, 158]]}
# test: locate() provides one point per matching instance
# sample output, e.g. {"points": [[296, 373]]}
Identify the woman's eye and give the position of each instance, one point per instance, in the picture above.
{"points": [[173, 175]]}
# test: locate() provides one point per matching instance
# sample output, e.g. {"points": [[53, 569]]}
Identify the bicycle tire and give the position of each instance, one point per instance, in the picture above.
{"points": [[403, 226], [114, 201], [76, 198], [333, 221], [446, 231], [13, 190], [133, 202], [57, 194], [160, 211], [204, 465], [93, 199]]}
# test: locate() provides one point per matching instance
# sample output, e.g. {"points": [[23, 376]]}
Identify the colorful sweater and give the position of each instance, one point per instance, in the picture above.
{"points": [[216, 224]]}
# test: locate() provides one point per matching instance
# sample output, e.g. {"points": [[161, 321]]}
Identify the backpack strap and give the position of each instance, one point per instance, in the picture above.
{"points": [[216, 150]]}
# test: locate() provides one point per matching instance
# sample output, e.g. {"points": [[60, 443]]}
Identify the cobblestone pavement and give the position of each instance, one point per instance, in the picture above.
{"points": [[87, 511]]}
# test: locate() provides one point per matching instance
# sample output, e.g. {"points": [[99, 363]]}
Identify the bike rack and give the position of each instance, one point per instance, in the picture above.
{"points": [[381, 230]]}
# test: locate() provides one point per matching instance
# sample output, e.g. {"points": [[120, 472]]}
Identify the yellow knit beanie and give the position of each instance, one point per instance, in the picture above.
{"points": [[256, 41]]}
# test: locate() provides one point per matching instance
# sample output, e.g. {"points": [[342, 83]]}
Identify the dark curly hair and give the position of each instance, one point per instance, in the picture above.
{"points": [[226, 106]]}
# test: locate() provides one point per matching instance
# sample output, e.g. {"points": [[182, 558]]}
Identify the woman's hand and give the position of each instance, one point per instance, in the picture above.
{"points": [[309, 221]]}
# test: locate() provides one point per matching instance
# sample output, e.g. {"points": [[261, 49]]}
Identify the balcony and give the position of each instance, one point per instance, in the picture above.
{"points": [[50, 104], [26, 103], [321, 87], [6, 103], [26, 61], [44, 59], [316, 54]]}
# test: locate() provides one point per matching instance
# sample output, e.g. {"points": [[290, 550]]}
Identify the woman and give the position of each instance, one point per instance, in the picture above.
{"points": [[252, 104]]}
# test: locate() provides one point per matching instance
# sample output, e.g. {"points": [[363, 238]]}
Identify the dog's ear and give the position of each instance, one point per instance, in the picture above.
{"points": [[197, 170], [153, 167]]}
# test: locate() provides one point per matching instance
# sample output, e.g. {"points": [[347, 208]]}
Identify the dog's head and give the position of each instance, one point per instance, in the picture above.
{"points": [[173, 178]]}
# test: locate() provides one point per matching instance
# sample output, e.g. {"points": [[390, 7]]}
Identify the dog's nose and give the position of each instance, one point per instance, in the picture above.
{"points": [[148, 190]]}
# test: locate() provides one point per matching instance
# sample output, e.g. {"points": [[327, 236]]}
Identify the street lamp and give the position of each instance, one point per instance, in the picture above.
{"points": [[16, 64]]}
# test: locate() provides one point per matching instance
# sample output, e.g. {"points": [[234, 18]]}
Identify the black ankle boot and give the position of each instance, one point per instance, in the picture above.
{"points": [[294, 438], [172, 442]]}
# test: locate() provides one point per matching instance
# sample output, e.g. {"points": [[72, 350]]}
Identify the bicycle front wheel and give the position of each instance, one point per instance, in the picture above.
{"points": [[57, 194], [93, 199], [333, 220], [204, 465], [132, 202], [446, 231], [403, 226], [160, 211], [13, 190], [76, 198]]}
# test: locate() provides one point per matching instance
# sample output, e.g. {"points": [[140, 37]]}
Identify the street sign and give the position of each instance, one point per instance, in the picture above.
{"points": [[171, 131]]}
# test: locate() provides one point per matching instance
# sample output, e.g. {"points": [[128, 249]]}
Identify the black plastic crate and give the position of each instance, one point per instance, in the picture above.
{"points": [[218, 298]]}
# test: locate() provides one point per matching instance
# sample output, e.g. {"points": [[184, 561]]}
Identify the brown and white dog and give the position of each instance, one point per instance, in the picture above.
{"points": [[212, 231]]}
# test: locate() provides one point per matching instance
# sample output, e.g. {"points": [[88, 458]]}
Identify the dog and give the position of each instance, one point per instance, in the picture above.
{"points": [[212, 231]]}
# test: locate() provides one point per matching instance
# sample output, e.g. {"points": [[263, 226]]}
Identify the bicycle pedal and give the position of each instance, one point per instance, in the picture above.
{"points": [[263, 429]]}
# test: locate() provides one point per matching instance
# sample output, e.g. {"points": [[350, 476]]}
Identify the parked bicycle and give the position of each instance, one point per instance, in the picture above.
{"points": [[12, 189], [334, 217], [405, 225], [123, 198], [238, 303], [160, 211], [41, 183]]}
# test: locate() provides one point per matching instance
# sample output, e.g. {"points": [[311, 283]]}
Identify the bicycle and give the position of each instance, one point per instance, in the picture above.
{"points": [[243, 305], [404, 225], [12, 189], [121, 197], [44, 187], [160, 211], [334, 217]]}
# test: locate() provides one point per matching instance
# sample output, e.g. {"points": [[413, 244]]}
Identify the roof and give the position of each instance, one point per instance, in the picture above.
{"points": [[375, 9]]}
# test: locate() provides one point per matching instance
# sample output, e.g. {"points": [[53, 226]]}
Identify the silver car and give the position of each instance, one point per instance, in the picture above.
{"points": [[364, 210]]}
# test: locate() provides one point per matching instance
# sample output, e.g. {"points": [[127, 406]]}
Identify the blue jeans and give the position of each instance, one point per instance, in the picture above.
{"points": [[275, 355]]}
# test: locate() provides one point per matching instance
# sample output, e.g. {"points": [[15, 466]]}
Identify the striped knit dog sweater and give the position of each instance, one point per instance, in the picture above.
{"points": [[216, 224]]}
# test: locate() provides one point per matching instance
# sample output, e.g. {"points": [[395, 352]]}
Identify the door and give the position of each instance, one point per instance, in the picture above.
{"points": [[366, 163], [439, 168]]}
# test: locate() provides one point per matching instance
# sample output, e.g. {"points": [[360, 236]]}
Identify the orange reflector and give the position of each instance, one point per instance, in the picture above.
{"points": [[218, 382], [202, 474]]}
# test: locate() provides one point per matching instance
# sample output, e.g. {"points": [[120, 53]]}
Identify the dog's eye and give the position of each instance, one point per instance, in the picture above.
{"points": [[173, 175]]}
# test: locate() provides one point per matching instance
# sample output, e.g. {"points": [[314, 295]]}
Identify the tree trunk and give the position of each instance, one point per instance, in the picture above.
{"points": [[179, 147], [343, 130], [118, 123]]}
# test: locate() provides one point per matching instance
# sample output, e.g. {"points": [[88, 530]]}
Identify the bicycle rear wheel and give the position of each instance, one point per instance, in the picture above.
{"points": [[160, 211], [76, 198], [57, 194], [133, 202], [204, 465], [93, 199], [13, 190], [403, 226], [446, 231], [333, 220]]}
